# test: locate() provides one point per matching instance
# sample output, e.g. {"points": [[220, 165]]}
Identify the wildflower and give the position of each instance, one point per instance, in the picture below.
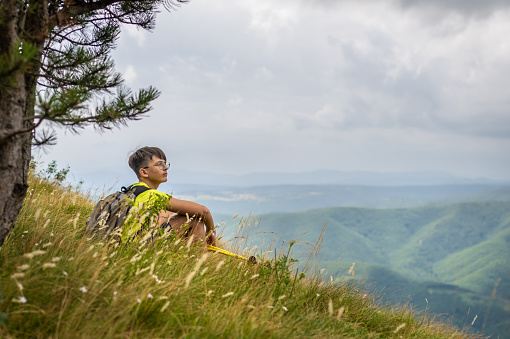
{"points": [[47, 222], [318, 294], [165, 306], [83, 289], [65, 273], [399, 327], [203, 258], [21, 299], [149, 296], [340, 313], [227, 294], [23, 267], [138, 300], [33, 254], [351, 270], [49, 265], [221, 263], [285, 308], [190, 241], [189, 278], [135, 258], [114, 293], [37, 214], [156, 278], [75, 220], [51, 234]]}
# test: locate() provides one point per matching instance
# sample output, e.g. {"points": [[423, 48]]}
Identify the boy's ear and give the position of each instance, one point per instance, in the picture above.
{"points": [[143, 173]]}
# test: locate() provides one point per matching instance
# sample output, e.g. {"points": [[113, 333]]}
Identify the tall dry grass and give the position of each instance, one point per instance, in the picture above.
{"points": [[57, 282]]}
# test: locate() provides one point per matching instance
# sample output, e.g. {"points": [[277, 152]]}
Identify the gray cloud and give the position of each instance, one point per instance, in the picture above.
{"points": [[469, 7], [476, 8], [252, 85]]}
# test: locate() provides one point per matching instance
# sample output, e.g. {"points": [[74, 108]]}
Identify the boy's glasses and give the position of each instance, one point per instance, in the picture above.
{"points": [[161, 165]]}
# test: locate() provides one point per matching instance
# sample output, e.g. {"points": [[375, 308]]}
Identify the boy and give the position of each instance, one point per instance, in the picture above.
{"points": [[186, 218]]}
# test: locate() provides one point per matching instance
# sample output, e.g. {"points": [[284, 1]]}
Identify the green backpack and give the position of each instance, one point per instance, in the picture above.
{"points": [[110, 212]]}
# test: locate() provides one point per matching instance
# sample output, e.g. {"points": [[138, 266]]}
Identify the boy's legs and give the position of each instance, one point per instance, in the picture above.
{"points": [[186, 228]]}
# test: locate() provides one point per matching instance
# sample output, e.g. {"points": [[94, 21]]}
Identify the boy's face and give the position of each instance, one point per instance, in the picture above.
{"points": [[155, 171]]}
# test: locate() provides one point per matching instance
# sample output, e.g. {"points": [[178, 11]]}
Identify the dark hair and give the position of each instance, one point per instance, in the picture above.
{"points": [[142, 156]]}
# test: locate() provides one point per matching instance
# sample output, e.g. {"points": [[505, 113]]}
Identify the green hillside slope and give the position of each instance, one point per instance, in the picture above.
{"points": [[479, 267], [410, 241], [463, 307], [463, 245]]}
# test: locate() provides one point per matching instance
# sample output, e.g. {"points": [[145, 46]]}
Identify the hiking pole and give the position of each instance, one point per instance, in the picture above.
{"points": [[251, 259]]}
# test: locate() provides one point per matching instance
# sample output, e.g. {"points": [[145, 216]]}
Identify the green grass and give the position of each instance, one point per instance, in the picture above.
{"points": [[55, 281]]}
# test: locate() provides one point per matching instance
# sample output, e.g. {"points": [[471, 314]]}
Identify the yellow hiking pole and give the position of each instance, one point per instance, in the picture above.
{"points": [[251, 259]]}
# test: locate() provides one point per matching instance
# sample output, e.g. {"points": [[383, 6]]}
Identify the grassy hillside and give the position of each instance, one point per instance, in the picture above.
{"points": [[57, 282]]}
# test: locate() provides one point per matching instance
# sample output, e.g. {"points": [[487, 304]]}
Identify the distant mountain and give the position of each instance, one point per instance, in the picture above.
{"points": [[326, 177], [294, 198], [181, 181]]}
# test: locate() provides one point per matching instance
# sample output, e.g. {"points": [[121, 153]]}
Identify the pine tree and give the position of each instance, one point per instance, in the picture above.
{"points": [[56, 69]]}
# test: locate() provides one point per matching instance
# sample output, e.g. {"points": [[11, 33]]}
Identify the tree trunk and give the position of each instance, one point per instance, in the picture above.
{"points": [[16, 105]]}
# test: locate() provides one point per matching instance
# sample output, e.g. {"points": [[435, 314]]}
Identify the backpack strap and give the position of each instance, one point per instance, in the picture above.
{"points": [[137, 190]]}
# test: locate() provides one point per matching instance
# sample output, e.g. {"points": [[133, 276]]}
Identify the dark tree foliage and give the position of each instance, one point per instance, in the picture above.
{"points": [[55, 67]]}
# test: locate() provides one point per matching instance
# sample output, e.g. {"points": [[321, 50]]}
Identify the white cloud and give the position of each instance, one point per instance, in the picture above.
{"points": [[323, 84], [139, 35], [130, 75]]}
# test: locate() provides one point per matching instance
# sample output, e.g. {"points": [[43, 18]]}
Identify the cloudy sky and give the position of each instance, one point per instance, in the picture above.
{"points": [[294, 85]]}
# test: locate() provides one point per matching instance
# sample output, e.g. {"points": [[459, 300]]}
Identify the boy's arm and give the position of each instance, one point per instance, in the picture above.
{"points": [[191, 208]]}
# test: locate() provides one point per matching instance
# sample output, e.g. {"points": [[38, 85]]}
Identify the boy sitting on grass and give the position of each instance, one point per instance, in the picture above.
{"points": [[186, 218]]}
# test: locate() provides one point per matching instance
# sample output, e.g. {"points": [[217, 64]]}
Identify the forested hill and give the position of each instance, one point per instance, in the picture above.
{"points": [[447, 259], [458, 242]]}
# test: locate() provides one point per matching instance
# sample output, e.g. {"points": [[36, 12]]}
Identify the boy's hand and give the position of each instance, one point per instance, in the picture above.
{"points": [[211, 238]]}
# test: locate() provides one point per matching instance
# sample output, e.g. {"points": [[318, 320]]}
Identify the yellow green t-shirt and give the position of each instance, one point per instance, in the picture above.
{"points": [[146, 205]]}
